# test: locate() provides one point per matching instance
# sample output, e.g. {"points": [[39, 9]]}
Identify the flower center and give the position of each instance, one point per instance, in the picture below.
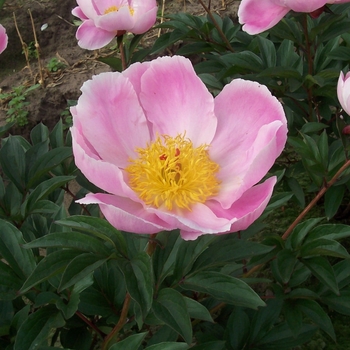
{"points": [[111, 9], [170, 172]]}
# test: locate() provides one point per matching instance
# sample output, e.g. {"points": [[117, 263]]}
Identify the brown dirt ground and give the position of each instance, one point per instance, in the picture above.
{"points": [[58, 40]]}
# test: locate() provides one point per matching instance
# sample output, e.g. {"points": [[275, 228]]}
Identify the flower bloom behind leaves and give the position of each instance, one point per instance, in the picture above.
{"points": [[343, 91], [260, 15], [3, 39], [171, 156], [103, 19]]}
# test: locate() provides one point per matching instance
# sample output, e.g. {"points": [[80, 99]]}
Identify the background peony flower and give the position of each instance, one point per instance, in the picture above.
{"points": [[258, 16], [3, 39], [343, 91], [171, 156], [104, 18]]}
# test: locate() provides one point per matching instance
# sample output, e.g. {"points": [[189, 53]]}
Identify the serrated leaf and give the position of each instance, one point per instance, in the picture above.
{"points": [[223, 287], [170, 307]]}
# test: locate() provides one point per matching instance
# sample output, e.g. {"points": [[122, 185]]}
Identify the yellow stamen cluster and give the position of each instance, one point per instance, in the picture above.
{"points": [[111, 9], [171, 173]]}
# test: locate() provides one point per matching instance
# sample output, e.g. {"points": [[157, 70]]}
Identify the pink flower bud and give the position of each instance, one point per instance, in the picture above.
{"points": [[346, 130], [3, 39], [343, 90]]}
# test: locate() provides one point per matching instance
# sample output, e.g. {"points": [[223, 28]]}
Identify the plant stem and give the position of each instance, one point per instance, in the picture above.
{"points": [[323, 190], [120, 323], [221, 33], [122, 53], [90, 324]]}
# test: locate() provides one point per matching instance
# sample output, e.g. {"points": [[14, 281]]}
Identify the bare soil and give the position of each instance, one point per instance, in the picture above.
{"points": [[58, 41]]}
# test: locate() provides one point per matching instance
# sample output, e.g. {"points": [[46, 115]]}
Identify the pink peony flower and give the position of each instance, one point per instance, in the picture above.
{"points": [[343, 91], [3, 39], [260, 15], [171, 156], [103, 19]]}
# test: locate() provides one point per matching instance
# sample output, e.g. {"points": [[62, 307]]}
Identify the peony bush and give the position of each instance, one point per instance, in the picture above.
{"points": [[200, 198]]}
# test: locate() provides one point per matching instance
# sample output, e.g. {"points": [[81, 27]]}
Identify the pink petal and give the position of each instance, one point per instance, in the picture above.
{"points": [[251, 134], [77, 12], [102, 5], [144, 20], [111, 118], [125, 214], [343, 90], [116, 20], [87, 8], [3, 39], [176, 100], [106, 176], [91, 38], [260, 15], [305, 6], [249, 207]]}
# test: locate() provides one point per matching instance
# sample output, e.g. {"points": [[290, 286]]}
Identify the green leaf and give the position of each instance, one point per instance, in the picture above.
{"points": [[170, 307], [339, 303], [285, 262], [35, 329], [51, 265], [223, 287], [10, 283], [168, 346], [299, 233], [114, 62], [212, 345], [237, 328], [12, 160], [39, 133], [293, 316], [78, 268], [317, 315], [98, 227], [333, 199], [56, 135], [267, 51], [198, 311], [47, 162], [75, 240], [322, 269], [138, 276], [131, 342], [42, 191], [11, 250], [323, 246]]}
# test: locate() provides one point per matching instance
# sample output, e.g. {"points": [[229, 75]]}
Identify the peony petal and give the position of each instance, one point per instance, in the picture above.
{"points": [[305, 6], [101, 6], [116, 20], [3, 39], [125, 214], [176, 100], [77, 12], [249, 207], [144, 20], [260, 15], [87, 7], [91, 38], [343, 90], [251, 134], [105, 175], [111, 118]]}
